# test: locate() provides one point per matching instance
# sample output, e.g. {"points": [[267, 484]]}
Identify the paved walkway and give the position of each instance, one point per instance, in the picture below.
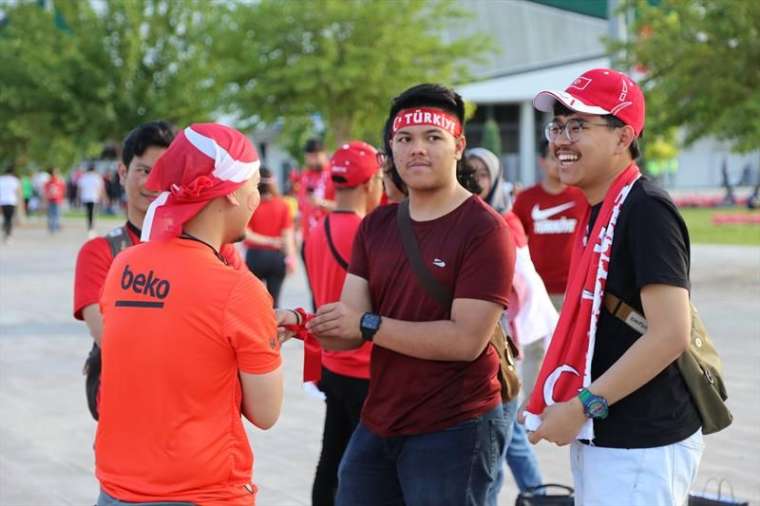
{"points": [[46, 433]]}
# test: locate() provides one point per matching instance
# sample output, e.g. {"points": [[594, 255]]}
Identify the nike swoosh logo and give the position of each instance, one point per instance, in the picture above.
{"points": [[539, 214], [439, 263]]}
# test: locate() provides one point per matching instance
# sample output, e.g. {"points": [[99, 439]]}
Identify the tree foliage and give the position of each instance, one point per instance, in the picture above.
{"points": [[340, 59], [116, 64], [700, 59]]}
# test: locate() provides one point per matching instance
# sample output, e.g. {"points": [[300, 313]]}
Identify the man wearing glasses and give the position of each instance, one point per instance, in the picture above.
{"points": [[634, 430]]}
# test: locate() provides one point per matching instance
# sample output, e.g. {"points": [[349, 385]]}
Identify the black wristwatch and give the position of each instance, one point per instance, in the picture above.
{"points": [[369, 324]]}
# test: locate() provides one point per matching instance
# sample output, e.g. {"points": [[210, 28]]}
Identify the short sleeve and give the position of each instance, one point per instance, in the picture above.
{"points": [[659, 244], [359, 265], [251, 327], [488, 267], [92, 266]]}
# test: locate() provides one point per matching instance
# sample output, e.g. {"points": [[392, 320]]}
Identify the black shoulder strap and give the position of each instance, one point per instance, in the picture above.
{"points": [[119, 240], [434, 288], [333, 249]]}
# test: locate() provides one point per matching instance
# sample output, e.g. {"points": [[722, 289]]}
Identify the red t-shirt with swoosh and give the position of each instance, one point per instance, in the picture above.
{"points": [[469, 250], [178, 327], [550, 222], [326, 279]]}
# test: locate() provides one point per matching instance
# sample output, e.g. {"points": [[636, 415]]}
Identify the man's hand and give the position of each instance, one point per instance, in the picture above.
{"points": [[336, 326], [560, 423], [285, 317]]}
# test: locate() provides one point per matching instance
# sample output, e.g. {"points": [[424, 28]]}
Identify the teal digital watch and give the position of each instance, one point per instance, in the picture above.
{"points": [[594, 406]]}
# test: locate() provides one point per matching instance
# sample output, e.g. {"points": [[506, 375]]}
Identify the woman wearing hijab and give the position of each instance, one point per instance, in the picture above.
{"points": [[495, 191]]}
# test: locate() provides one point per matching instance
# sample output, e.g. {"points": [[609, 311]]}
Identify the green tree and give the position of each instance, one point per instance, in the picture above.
{"points": [[340, 59], [116, 64], [700, 59]]}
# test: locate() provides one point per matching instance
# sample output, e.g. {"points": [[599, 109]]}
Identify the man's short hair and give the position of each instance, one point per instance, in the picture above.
{"points": [[157, 134], [430, 95], [612, 122], [314, 145]]}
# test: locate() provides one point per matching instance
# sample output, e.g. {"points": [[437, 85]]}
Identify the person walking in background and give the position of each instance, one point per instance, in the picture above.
{"points": [[487, 169], [269, 238], [11, 196], [344, 376], [91, 192], [54, 191], [550, 212]]}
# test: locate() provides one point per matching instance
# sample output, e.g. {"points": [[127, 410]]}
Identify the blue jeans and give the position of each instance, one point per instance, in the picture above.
{"points": [[54, 217], [519, 455], [106, 500], [451, 467]]}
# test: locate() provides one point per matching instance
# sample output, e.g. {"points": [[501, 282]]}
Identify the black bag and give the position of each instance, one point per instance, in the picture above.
{"points": [[707, 499], [500, 339], [118, 239], [538, 496]]}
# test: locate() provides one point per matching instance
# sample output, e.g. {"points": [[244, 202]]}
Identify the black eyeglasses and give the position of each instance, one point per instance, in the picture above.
{"points": [[573, 129]]}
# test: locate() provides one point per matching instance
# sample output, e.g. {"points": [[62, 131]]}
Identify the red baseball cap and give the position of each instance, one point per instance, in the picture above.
{"points": [[353, 164], [601, 92]]}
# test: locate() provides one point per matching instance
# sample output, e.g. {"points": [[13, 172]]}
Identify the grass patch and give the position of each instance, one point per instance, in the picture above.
{"points": [[703, 231]]}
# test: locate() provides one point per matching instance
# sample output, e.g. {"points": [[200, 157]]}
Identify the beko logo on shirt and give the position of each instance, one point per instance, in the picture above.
{"points": [[142, 284]]}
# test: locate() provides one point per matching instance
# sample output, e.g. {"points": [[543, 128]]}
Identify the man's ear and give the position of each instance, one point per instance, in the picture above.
{"points": [[461, 145], [626, 138], [232, 199], [122, 171]]}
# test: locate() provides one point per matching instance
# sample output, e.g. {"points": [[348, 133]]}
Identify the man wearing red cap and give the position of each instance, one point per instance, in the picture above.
{"points": [[432, 428], [344, 375], [189, 343], [634, 429]]}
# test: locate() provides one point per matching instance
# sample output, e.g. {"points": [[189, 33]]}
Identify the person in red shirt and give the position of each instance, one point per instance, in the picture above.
{"points": [[315, 191], [550, 212], [54, 191], [189, 343], [141, 148], [269, 241], [345, 374], [432, 426]]}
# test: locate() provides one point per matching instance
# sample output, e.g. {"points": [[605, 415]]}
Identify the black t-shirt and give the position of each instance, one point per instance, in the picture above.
{"points": [[650, 246]]}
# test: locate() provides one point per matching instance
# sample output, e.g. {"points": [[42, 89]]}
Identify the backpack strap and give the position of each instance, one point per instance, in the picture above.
{"points": [[336, 255], [625, 313], [432, 286], [119, 240]]}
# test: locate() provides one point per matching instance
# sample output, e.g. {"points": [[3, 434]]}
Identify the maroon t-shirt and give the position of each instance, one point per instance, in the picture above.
{"points": [[469, 250]]}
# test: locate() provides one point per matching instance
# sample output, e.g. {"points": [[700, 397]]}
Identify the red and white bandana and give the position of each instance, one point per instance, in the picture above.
{"points": [[427, 116], [205, 161]]}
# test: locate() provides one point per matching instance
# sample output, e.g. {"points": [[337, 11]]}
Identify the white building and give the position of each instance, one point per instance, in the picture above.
{"points": [[547, 47]]}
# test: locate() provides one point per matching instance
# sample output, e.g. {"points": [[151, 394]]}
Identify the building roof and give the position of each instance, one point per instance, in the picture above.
{"points": [[522, 85]]}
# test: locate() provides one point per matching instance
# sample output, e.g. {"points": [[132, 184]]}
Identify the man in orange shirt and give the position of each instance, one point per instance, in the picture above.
{"points": [[189, 343]]}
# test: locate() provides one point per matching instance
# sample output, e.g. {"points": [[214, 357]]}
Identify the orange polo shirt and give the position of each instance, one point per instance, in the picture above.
{"points": [[178, 326]]}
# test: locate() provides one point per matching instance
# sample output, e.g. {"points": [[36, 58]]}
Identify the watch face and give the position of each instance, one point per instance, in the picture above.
{"points": [[597, 408], [371, 321]]}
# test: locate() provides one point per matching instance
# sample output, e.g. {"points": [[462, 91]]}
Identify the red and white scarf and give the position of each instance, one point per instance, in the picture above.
{"points": [[204, 161], [566, 369]]}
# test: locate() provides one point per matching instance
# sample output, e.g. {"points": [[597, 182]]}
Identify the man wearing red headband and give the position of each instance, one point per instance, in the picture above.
{"points": [[432, 428], [189, 343], [634, 429]]}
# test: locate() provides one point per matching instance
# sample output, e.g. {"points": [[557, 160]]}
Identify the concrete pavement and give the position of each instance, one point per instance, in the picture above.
{"points": [[46, 432]]}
